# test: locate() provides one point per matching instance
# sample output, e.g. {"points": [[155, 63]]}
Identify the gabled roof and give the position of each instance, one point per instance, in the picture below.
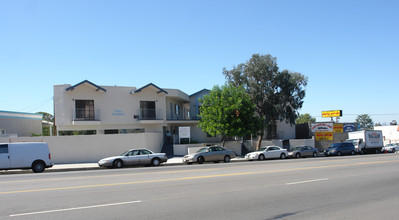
{"points": [[149, 85], [98, 88], [204, 90]]}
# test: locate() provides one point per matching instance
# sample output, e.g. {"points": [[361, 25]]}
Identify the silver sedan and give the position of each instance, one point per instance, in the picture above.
{"points": [[134, 157], [303, 151], [214, 153]]}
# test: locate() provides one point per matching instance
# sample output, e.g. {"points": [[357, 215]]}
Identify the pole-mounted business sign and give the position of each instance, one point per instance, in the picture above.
{"points": [[330, 114]]}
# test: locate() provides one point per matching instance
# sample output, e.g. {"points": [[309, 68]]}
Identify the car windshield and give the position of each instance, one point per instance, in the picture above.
{"points": [[202, 150], [124, 153], [333, 146], [296, 148], [262, 149]]}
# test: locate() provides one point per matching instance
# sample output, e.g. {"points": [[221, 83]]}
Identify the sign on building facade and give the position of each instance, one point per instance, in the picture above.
{"points": [[322, 127]]}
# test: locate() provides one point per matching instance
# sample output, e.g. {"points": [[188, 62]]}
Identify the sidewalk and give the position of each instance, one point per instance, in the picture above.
{"points": [[94, 166]]}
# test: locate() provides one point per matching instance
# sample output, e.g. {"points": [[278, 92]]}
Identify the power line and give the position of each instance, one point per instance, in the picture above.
{"points": [[36, 106]]}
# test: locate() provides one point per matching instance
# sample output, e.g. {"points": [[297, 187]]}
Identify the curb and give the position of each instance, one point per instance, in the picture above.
{"points": [[67, 169]]}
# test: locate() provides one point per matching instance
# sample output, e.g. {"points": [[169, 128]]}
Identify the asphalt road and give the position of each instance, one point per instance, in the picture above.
{"points": [[350, 187]]}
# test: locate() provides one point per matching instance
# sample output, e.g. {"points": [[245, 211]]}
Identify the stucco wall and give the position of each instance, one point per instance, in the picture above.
{"points": [[302, 142], [114, 109], [91, 148]]}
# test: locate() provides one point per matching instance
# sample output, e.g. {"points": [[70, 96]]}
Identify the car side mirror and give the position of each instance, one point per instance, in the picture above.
{"points": [[207, 151]]}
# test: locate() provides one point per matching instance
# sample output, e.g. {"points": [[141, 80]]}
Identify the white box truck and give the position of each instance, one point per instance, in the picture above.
{"points": [[35, 156], [366, 141]]}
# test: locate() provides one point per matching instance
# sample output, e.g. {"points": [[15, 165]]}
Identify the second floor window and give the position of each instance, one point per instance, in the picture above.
{"points": [[84, 109], [147, 110]]}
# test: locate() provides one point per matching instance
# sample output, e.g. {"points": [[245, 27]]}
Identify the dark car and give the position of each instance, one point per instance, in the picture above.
{"points": [[339, 149]]}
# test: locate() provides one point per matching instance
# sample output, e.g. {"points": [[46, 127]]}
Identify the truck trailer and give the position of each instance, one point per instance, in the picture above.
{"points": [[368, 141]]}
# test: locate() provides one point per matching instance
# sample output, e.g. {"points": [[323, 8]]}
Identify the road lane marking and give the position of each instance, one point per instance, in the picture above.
{"points": [[113, 175], [307, 181], [76, 208], [194, 177]]}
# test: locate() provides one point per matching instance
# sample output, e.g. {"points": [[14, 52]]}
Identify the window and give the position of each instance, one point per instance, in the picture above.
{"points": [[147, 110], [2, 131], [144, 152], [3, 148], [177, 109], [133, 153], [84, 109], [111, 131]]}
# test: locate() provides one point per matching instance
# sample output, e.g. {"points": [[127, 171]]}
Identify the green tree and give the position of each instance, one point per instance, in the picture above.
{"points": [[227, 111], [305, 118], [47, 116], [277, 94], [365, 121], [46, 129]]}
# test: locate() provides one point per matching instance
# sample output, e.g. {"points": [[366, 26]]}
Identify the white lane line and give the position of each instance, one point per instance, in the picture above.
{"points": [[77, 208], [307, 181]]}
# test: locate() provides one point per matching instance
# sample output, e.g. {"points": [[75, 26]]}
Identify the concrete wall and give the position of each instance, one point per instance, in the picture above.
{"points": [[91, 148], [302, 142], [285, 131]]}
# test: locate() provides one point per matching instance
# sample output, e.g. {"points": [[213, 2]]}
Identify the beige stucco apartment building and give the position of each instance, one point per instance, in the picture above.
{"points": [[98, 109], [93, 109]]}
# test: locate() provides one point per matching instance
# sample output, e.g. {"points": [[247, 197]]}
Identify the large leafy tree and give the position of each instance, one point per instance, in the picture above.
{"points": [[365, 121], [304, 118], [227, 111], [45, 129], [277, 95], [47, 116]]}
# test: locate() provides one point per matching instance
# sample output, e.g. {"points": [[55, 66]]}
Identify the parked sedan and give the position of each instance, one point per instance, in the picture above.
{"points": [[214, 153], [303, 151], [392, 148], [134, 157], [267, 152]]}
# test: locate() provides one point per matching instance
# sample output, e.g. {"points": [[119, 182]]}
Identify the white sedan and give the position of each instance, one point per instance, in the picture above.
{"points": [[267, 152], [391, 148], [134, 157]]}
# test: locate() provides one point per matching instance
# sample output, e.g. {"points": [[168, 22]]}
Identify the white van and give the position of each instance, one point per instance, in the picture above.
{"points": [[35, 156]]}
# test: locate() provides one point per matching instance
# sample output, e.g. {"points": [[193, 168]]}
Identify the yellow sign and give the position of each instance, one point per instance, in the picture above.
{"points": [[330, 114], [324, 136], [338, 128]]}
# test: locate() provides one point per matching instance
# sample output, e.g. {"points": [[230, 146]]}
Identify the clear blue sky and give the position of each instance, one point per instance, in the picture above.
{"points": [[348, 49]]}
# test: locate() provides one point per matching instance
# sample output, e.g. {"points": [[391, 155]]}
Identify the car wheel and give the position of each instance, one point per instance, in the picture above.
{"points": [[117, 164], [282, 156], [353, 152], [155, 162], [226, 159], [38, 167], [393, 150], [261, 157], [298, 155], [339, 153], [200, 160], [314, 154]]}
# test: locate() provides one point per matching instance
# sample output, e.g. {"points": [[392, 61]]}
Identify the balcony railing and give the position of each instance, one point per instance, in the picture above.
{"points": [[84, 114], [150, 114], [183, 115]]}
